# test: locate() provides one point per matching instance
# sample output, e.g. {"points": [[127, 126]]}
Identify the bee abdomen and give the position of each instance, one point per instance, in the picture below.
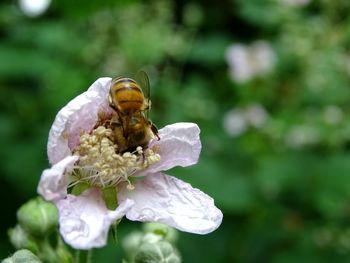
{"points": [[128, 95]]}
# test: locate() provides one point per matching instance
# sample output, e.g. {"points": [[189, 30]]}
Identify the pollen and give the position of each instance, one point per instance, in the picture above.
{"points": [[101, 165]]}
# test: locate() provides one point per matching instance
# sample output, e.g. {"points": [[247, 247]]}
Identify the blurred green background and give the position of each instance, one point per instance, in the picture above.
{"points": [[267, 81]]}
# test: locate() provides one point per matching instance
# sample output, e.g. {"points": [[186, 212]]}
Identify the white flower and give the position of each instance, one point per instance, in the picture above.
{"points": [[33, 8], [256, 115], [264, 57], [80, 152], [247, 62], [236, 121], [237, 56], [296, 3], [301, 136], [333, 115]]}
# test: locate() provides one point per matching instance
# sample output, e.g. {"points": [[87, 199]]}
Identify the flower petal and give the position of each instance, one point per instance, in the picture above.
{"points": [[179, 145], [54, 181], [84, 220], [80, 114], [166, 199]]}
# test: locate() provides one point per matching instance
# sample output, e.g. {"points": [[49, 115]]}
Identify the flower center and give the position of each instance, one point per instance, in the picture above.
{"points": [[101, 165]]}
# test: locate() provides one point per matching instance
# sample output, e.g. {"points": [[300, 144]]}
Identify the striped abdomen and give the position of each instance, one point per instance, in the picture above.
{"points": [[127, 95]]}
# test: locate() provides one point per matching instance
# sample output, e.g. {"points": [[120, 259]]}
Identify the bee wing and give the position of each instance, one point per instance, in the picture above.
{"points": [[143, 80]]}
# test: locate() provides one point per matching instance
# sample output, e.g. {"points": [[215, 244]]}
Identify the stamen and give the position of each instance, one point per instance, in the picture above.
{"points": [[101, 165], [130, 187]]}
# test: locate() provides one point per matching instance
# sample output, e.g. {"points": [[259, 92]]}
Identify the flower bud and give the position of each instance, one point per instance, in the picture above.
{"points": [[38, 217], [22, 256], [20, 239], [151, 238], [166, 232], [162, 252], [131, 242]]}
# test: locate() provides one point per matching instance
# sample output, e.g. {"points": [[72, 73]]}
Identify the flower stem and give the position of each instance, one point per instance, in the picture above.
{"points": [[47, 252], [83, 256]]}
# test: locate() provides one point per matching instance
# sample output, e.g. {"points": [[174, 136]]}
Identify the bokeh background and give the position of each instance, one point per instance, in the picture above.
{"points": [[267, 81]]}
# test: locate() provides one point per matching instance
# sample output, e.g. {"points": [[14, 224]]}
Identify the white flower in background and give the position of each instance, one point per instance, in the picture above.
{"points": [[301, 136], [235, 123], [333, 115], [264, 57], [256, 115], [296, 3], [238, 120], [33, 8], [247, 62], [238, 59], [81, 150]]}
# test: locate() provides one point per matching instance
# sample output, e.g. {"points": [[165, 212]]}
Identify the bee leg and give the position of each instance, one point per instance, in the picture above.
{"points": [[114, 124], [113, 107], [158, 138], [123, 124], [155, 130], [143, 157], [111, 104]]}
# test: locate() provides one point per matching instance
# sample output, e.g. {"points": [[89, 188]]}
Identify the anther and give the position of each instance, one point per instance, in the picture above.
{"points": [[101, 165]]}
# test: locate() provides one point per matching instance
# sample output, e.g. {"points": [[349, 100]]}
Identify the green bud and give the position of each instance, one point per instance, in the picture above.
{"points": [[20, 239], [167, 233], [38, 217], [156, 228], [132, 242], [159, 252], [22, 256]]}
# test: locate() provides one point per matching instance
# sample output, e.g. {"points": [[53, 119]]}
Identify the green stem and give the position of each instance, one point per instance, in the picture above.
{"points": [[47, 252], [83, 256]]}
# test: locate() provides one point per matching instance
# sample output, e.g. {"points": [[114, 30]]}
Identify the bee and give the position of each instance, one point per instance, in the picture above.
{"points": [[131, 103]]}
